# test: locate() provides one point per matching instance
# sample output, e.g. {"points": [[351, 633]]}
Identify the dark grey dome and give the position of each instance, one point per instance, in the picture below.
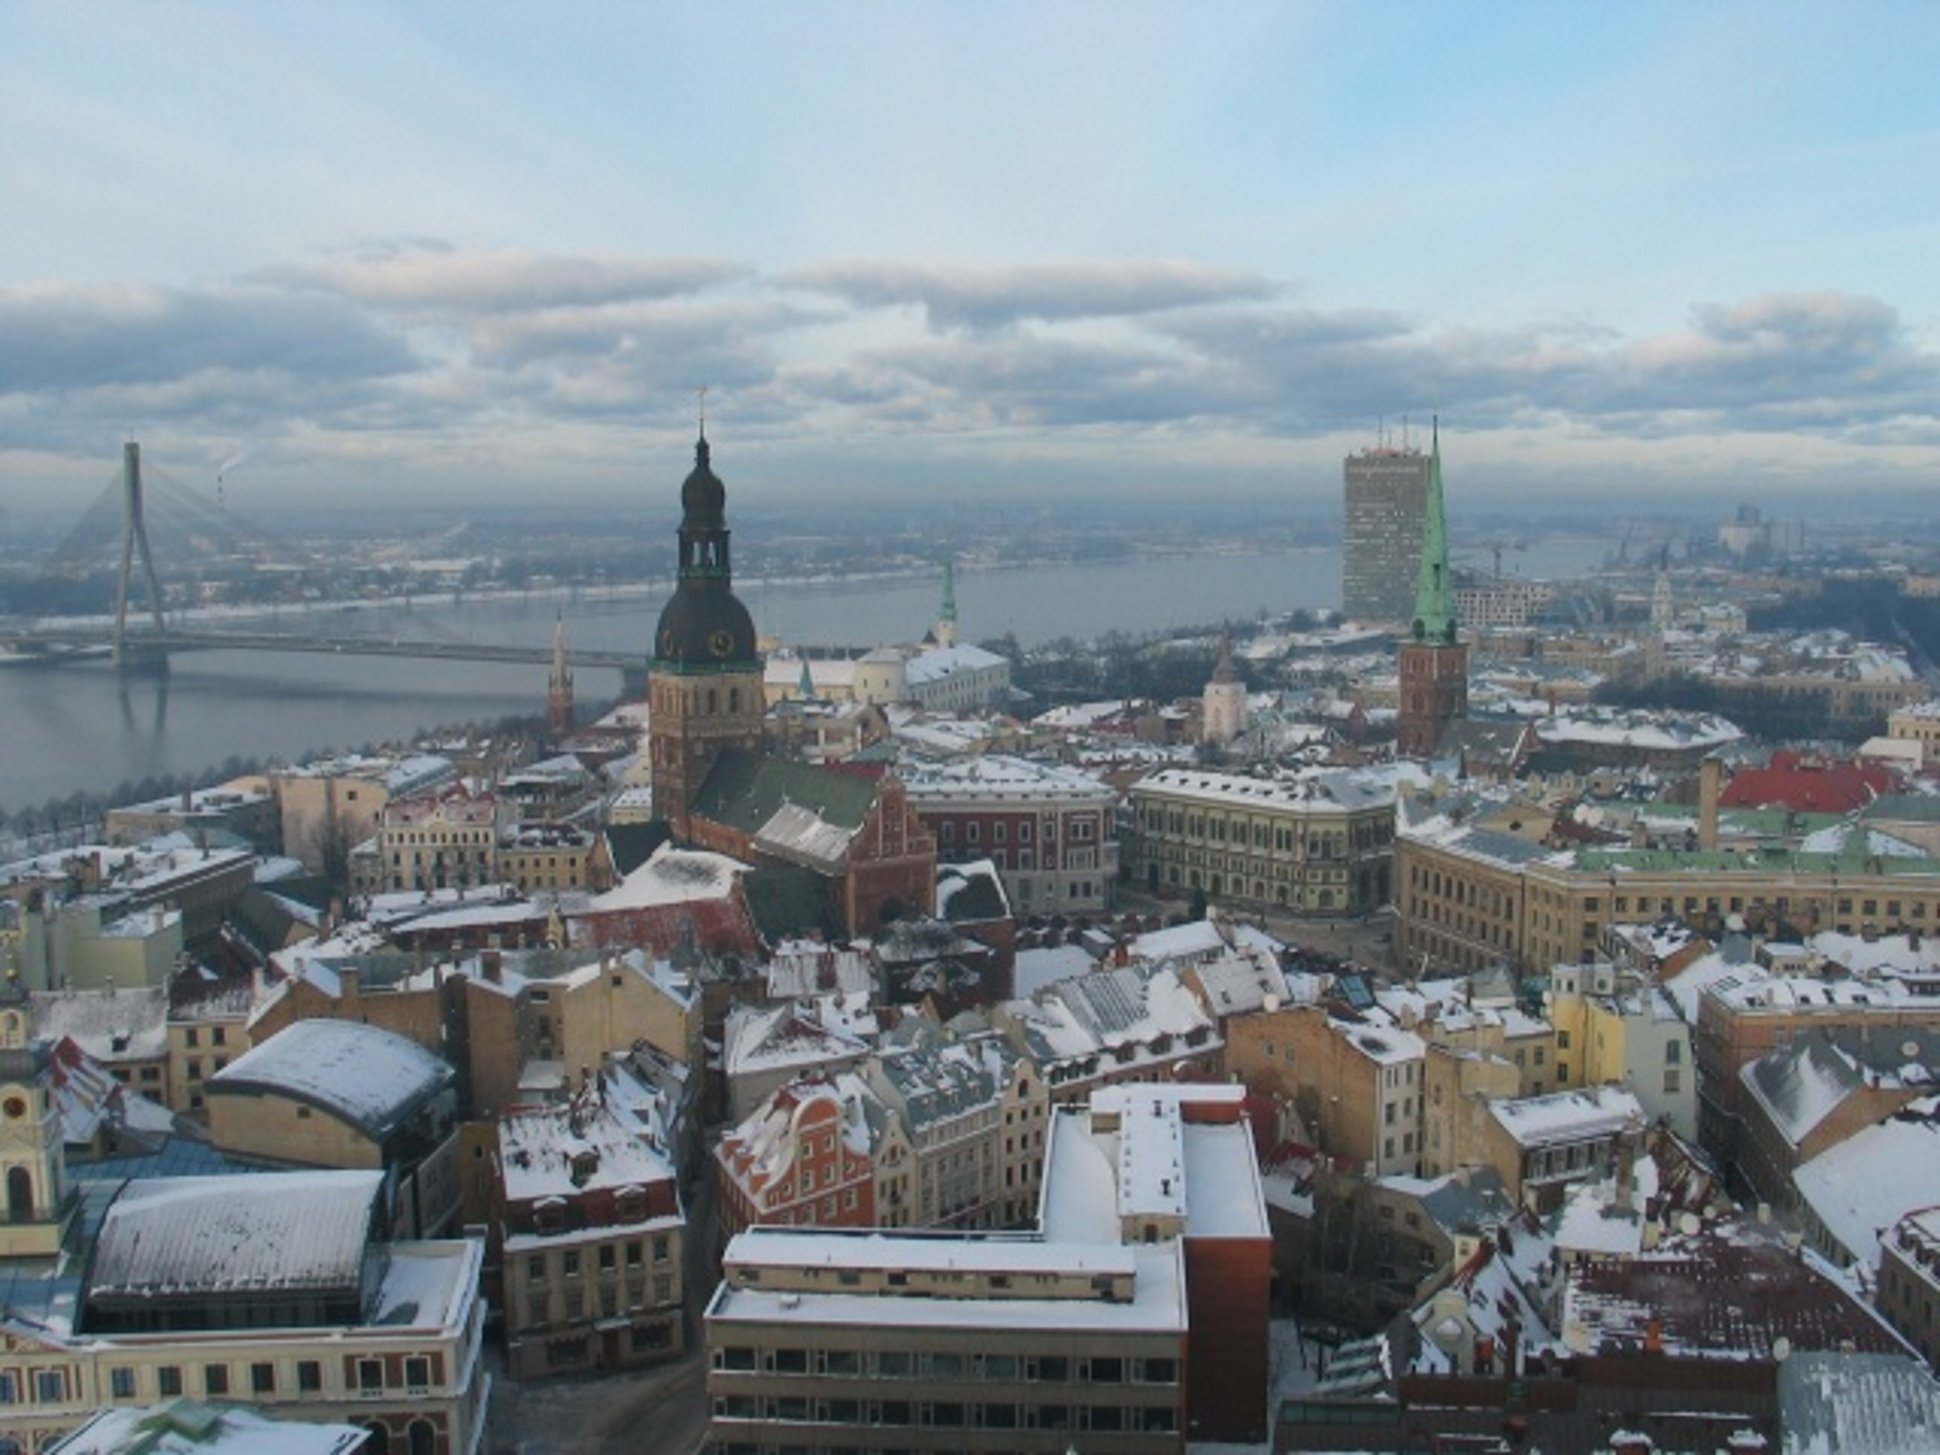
{"points": [[704, 625]]}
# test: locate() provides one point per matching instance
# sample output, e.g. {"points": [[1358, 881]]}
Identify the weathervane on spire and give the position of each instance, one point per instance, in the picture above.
{"points": [[701, 394]]}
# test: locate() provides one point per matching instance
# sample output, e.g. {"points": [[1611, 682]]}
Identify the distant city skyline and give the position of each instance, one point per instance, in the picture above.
{"points": [[448, 254]]}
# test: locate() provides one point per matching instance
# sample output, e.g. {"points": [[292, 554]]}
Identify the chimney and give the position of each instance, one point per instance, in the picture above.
{"points": [[1710, 785], [493, 964]]}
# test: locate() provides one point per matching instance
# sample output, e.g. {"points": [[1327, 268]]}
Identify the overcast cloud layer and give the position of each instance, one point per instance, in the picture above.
{"points": [[455, 251]]}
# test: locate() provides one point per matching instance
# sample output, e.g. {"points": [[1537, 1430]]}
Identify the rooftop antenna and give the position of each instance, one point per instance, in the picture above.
{"points": [[701, 394], [1404, 432], [1381, 432]]}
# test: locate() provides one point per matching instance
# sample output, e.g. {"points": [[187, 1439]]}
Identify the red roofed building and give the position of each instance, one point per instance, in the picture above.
{"points": [[794, 1160], [1807, 783]]}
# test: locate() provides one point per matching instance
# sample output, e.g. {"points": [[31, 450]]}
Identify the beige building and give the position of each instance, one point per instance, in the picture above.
{"points": [[1539, 1145], [1316, 844], [1133, 1319], [1357, 1090], [342, 1094], [1917, 722], [1909, 1280], [331, 806], [590, 1234], [1467, 897], [296, 1312]]}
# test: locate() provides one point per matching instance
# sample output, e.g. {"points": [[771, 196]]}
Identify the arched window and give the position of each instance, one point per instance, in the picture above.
{"points": [[379, 1442], [20, 1194], [424, 1439]]}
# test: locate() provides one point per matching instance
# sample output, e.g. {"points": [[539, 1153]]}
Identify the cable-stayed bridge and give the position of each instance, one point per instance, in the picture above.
{"points": [[213, 540]]}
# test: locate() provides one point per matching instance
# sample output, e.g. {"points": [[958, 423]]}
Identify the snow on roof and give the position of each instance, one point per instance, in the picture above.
{"points": [[428, 1285], [799, 833], [804, 967], [1080, 715], [562, 1151], [187, 1427], [1800, 1084], [1157, 1305], [112, 1026], [368, 1076], [1383, 1045], [1037, 968], [196, 1236], [1194, 940], [672, 876], [1859, 1189], [1657, 728], [1130, 1006], [1592, 1220], [1241, 984], [1566, 1116], [1730, 1290], [1838, 1403], [1133, 1153], [774, 1037], [1000, 776], [940, 662], [1316, 790], [770, 1247]]}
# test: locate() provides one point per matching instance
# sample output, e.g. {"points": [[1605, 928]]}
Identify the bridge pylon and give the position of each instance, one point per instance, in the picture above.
{"points": [[131, 654]]}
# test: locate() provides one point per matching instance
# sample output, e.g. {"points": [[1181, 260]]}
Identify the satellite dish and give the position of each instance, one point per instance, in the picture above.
{"points": [[1688, 1223], [1781, 1349], [1272, 1003]]}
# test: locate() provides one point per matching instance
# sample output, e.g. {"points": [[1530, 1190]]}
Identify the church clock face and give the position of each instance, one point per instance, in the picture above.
{"points": [[720, 643], [666, 644]]}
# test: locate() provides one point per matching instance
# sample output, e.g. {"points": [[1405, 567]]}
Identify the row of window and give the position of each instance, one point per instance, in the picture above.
{"points": [[606, 1258], [904, 1364], [950, 1414], [215, 1380]]}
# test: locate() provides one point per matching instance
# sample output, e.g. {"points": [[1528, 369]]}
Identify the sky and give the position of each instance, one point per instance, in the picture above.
{"points": [[487, 253]]}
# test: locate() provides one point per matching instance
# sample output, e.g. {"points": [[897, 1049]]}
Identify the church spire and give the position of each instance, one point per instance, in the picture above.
{"points": [[946, 621], [559, 689], [1434, 619]]}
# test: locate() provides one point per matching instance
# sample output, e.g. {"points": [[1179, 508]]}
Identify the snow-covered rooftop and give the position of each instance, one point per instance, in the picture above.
{"points": [[368, 1076], [189, 1236]]}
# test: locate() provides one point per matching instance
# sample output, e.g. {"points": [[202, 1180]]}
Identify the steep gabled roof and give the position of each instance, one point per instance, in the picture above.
{"points": [[792, 810]]}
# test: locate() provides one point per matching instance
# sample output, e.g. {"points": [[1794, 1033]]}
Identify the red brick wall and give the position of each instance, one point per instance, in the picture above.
{"points": [[1228, 1288]]}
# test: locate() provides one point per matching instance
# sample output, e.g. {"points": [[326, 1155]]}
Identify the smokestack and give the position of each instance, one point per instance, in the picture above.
{"points": [[1710, 783]]}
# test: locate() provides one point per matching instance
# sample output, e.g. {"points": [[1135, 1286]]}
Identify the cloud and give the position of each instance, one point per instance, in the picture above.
{"points": [[419, 275], [68, 338], [1814, 363], [988, 298]]}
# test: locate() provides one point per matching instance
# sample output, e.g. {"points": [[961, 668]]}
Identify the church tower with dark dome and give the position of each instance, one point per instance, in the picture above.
{"points": [[704, 680]]}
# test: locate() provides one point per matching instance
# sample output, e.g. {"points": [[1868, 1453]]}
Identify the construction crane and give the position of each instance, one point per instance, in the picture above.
{"points": [[1497, 547]]}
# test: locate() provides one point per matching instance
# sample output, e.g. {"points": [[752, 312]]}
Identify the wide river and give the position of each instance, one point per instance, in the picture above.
{"points": [[83, 726]]}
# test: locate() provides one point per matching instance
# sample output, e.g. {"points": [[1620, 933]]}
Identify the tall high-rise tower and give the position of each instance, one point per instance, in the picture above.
{"points": [[1434, 665], [1385, 497], [704, 688]]}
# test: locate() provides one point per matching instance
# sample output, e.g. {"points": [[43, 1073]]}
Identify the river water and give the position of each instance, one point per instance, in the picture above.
{"points": [[84, 727]]}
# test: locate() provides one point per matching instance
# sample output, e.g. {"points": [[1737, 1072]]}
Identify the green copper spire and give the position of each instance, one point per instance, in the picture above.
{"points": [[1434, 598], [949, 589], [806, 687]]}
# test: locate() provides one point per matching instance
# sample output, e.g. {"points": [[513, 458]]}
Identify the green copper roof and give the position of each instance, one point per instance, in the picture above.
{"points": [[1434, 595]]}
